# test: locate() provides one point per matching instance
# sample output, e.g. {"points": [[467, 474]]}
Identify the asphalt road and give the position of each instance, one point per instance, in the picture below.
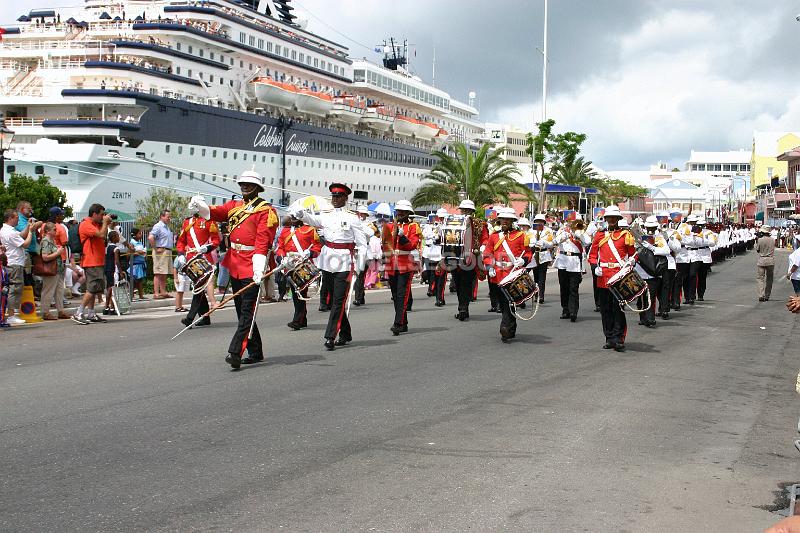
{"points": [[115, 428]]}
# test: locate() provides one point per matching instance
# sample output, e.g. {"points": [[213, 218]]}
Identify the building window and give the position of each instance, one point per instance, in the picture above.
{"points": [[154, 173], [166, 174], [242, 37], [166, 148]]}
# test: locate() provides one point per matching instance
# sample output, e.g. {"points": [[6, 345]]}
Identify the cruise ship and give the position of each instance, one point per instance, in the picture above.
{"points": [[118, 97]]}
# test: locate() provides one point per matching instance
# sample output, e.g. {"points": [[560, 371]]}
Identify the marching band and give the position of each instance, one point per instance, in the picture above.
{"points": [[647, 267]]}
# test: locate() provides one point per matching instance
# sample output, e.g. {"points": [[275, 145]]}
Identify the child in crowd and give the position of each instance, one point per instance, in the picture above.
{"points": [[74, 278], [112, 270], [182, 283], [138, 267], [4, 281]]}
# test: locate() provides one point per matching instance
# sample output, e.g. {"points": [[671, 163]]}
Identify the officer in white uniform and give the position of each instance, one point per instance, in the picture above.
{"points": [[343, 256], [665, 295], [704, 242], [569, 262], [683, 260], [654, 241], [542, 242], [432, 252]]}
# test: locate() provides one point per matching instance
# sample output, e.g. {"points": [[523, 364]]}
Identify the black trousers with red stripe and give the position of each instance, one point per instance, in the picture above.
{"points": [[300, 308], [339, 284], [400, 283], [615, 325], [438, 284], [245, 308]]}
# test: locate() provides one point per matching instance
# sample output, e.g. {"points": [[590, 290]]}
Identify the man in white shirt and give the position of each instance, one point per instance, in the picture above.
{"points": [[794, 271], [15, 242]]}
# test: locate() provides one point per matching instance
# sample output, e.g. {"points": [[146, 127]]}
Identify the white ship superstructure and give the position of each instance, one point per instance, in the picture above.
{"points": [[123, 96]]}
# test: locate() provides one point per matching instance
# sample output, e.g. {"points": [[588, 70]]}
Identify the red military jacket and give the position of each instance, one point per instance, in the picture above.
{"points": [[495, 255], [307, 237], [251, 229], [601, 253], [397, 250], [205, 231]]}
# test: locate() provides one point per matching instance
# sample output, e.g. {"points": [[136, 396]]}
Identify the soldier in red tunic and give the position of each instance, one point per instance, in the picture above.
{"points": [[298, 242], [503, 254], [199, 236], [398, 240], [251, 228], [609, 262]]}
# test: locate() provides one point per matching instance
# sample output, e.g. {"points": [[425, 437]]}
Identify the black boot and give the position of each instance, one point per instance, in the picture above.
{"points": [[234, 360]]}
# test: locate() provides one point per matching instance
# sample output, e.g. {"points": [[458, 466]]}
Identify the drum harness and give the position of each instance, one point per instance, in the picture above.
{"points": [[201, 289]]}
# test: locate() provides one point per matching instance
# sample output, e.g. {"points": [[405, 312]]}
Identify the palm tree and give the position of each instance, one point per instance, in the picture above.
{"points": [[484, 177], [576, 172]]}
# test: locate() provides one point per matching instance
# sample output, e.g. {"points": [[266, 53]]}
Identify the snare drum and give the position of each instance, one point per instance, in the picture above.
{"points": [[518, 287], [627, 285], [303, 275], [200, 271]]}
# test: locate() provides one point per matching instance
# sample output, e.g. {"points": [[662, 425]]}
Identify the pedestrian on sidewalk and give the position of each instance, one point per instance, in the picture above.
{"points": [[794, 271], [15, 242], [113, 269], [161, 241], [765, 264], [93, 231], [138, 263], [52, 286]]}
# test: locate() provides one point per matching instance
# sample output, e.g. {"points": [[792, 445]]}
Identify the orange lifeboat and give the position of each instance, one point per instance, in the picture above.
{"points": [[404, 125], [376, 117], [426, 130], [347, 109], [275, 93], [314, 102]]}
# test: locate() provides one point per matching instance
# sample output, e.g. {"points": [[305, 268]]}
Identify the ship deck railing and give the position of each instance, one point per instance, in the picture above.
{"points": [[20, 122], [51, 45]]}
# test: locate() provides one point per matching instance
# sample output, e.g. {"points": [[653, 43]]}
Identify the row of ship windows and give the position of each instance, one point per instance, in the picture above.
{"points": [[719, 167], [334, 148], [385, 82], [288, 53], [297, 182]]}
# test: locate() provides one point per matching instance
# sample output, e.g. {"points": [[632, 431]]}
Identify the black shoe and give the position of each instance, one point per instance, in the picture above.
{"points": [[362, 302], [342, 341], [691, 302], [686, 302], [250, 359], [505, 334], [439, 304], [641, 322], [357, 303], [395, 330], [596, 308], [762, 299], [462, 316], [676, 307], [493, 309], [97, 319], [108, 312], [186, 322], [700, 299], [324, 308], [294, 325], [203, 322], [651, 325], [330, 344], [234, 360], [541, 300], [564, 315], [609, 346], [665, 316], [429, 294], [573, 318], [619, 348], [659, 314]]}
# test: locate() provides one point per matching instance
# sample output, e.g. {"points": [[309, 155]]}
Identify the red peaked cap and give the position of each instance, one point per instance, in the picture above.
{"points": [[340, 188]]}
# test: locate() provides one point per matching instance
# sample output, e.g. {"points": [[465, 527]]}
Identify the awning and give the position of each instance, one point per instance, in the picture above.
{"points": [[105, 16], [555, 188], [760, 216], [24, 18], [39, 13]]}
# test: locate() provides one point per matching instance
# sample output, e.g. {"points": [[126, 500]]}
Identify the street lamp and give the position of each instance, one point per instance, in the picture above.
{"points": [[6, 138]]}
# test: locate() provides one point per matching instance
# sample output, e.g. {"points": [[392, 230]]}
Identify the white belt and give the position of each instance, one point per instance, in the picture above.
{"points": [[401, 252], [242, 247], [504, 264], [610, 265]]}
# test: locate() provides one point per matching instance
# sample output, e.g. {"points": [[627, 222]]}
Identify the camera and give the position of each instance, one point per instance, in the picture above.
{"points": [[113, 216]]}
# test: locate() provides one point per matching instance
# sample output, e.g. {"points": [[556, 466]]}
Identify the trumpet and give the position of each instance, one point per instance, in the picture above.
{"points": [[576, 227]]}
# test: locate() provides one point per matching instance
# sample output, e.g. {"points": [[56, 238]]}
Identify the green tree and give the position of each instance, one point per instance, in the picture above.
{"points": [[37, 191], [485, 177], [615, 190], [550, 152], [148, 209], [577, 172]]}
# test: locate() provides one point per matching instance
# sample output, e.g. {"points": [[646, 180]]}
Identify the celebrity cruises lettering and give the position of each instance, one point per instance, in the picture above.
{"points": [[270, 137]]}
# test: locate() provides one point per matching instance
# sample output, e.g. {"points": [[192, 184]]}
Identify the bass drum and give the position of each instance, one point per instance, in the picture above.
{"points": [[302, 276]]}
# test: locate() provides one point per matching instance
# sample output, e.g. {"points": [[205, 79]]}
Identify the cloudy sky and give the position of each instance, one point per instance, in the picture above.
{"points": [[647, 80]]}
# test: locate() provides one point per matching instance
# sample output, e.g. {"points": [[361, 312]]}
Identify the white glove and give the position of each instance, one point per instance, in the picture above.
{"points": [[259, 266], [598, 271], [400, 232], [203, 249], [197, 204], [306, 253], [492, 272], [519, 262], [297, 212]]}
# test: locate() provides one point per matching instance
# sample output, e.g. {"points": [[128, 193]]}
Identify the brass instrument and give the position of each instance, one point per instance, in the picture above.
{"points": [[576, 227]]}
